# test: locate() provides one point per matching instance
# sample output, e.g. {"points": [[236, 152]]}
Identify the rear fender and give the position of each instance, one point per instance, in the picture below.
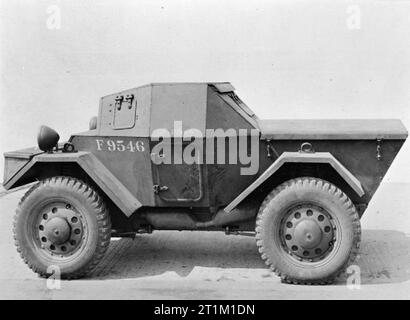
{"points": [[108, 183], [299, 157]]}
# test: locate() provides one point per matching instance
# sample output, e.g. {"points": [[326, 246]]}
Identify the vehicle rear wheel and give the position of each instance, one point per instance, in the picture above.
{"points": [[308, 231], [63, 223]]}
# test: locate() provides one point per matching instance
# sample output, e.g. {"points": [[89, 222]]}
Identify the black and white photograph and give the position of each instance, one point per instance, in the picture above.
{"points": [[204, 155]]}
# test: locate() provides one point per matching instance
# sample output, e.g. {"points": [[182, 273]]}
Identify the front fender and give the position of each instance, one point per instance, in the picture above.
{"points": [[108, 183], [299, 157]]}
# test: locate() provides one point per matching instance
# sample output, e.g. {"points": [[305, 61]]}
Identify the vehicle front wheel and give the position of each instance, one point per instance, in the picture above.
{"points": [[63, 223], [308, 231]]}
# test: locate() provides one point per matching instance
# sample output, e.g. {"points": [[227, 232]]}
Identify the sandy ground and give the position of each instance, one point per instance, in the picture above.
{"points": [[211, 265]]}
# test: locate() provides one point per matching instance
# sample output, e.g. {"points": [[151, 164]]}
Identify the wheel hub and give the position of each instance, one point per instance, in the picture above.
{"points": [[57, 230], [307, 233], [60, 229]]}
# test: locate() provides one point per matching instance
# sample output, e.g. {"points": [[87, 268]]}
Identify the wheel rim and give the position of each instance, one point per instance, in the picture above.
{"points": [[308, 233], [60, 229]]}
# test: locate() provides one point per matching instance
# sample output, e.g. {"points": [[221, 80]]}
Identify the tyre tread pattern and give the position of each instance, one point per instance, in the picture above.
{"points": [[100, 210], [325, 186]]}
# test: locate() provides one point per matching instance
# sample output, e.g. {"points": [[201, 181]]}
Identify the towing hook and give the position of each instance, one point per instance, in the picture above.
{"points": [[306, 147]]}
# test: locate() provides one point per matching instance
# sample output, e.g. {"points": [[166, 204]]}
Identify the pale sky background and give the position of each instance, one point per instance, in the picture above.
{"points": [[287, 59]]}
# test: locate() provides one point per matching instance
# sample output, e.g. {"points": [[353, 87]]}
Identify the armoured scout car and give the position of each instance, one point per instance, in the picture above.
{"points": [[193, 156]]}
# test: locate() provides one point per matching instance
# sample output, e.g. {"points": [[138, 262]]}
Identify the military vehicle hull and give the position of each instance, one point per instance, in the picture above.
{"points": [[239, 181]]}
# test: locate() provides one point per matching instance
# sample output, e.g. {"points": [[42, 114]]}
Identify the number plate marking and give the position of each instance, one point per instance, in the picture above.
{"points": [[120, 146]]}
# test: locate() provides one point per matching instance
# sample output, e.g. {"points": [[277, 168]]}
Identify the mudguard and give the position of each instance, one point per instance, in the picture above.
{"points": [[300, 157], [108, 183]]}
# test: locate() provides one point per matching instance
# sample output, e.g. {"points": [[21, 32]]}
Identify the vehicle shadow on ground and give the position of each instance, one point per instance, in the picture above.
{"points": [[384, 256], [178, 252]]}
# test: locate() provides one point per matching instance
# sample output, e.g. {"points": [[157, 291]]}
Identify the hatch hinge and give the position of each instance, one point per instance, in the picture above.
{"points": [[157, 188], [128, 100], [118, 102]]}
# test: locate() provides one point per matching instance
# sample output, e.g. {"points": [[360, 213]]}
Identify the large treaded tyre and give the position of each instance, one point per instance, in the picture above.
{"points": [[308, 231], [63, 223]]}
